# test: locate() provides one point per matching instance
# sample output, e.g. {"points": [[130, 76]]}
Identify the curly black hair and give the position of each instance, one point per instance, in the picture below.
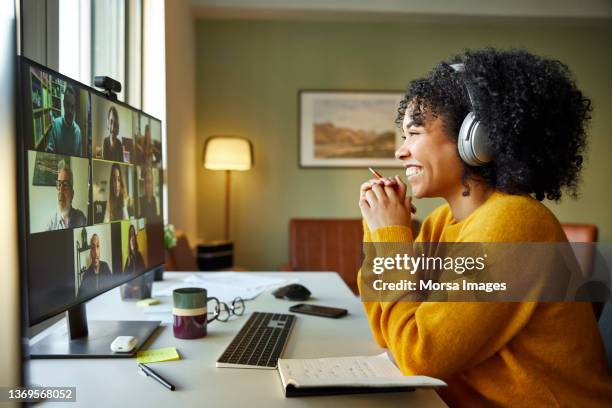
{"points": [[536, 116]]}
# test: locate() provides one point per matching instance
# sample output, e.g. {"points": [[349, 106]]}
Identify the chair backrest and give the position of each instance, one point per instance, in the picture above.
{"points": [[329, 245], [326, 245], [181, 257], [580, 232], [584, 253]]}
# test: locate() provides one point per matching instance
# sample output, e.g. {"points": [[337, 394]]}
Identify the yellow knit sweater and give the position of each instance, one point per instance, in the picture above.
{"points": [[495, 354]]}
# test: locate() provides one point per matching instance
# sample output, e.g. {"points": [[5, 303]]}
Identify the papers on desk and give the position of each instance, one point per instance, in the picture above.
{"points": [[226, 286], [347, 375]]}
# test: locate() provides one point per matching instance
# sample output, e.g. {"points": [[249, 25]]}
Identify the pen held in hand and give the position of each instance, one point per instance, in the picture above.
{"points": [[379, 176]]}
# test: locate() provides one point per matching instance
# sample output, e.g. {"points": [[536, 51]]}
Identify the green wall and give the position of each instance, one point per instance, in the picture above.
{"points": [[248, 74]]}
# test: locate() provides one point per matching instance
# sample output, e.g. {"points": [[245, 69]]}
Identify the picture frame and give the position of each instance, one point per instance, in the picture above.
{"points": [[348, 129]]}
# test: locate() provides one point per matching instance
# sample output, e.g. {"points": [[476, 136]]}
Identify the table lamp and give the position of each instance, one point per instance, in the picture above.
{"points": [[228, 153]]}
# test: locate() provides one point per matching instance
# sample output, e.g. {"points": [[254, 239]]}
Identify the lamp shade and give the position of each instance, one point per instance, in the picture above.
{"points": [[228, 153]]}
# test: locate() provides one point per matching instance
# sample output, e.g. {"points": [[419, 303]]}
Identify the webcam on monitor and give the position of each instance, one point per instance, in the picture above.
{"points": [[110, 86]]}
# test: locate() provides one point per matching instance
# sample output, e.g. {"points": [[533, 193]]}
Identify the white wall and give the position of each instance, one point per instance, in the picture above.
{"points": [[10, 354], [183, 155]]}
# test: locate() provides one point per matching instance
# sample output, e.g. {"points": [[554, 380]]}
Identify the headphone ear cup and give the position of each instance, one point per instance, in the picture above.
{"points": [[473, 142], [481, 145]]}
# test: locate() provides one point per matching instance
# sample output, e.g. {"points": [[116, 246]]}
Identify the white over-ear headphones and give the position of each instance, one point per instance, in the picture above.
{"points": [[473, 141]]}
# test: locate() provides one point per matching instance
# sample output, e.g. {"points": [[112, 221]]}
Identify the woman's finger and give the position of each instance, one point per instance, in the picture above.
{"points": [[401, 187], [371, 198], [388, 181], [363, 205], [368, 183], [367, 186], [391, 193], [380, 193]]}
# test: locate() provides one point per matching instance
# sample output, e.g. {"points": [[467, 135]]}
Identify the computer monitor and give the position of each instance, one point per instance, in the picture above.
{"points": [[91, 201]]}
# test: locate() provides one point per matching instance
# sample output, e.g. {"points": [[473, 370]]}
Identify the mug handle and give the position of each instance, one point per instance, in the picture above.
{"points": [[217, 309]]}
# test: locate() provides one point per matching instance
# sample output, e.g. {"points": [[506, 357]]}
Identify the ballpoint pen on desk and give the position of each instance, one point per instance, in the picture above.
{"points": [[379, 176], [150, 373]]}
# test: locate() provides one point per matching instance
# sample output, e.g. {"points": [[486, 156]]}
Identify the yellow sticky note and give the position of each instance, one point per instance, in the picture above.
{"points": [[157, 355], [147, 302]]}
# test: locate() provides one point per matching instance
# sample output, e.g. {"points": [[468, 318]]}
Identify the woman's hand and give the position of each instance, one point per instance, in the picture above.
{"points": [[383, 203]]}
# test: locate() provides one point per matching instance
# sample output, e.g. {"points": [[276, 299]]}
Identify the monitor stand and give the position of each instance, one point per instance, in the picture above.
{"points": [[91, 339]]}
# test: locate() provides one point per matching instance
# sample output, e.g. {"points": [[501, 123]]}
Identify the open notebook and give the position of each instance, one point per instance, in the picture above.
{"points": [[347, 375]]}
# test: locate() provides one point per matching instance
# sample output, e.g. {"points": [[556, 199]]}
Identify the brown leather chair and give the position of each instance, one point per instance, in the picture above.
{"points": [[181, 257], [327, 245], [580, 232]]}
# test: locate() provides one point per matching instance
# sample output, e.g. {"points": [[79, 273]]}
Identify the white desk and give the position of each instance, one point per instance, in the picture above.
{"points": [[116, 383]]}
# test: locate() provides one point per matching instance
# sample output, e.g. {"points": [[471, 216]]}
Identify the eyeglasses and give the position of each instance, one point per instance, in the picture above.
{"points": [[65, 184], [223, 311]]}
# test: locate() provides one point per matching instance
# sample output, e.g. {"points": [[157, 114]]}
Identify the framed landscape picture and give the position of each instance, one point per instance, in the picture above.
{"points": [[348, 128]]}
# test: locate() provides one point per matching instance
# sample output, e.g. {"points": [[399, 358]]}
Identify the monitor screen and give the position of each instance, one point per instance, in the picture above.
{"points": [[92, 191]]}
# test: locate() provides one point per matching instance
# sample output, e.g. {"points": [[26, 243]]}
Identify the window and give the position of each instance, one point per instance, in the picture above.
{"points": [[75, 39], [109, 47], [103, 37]]}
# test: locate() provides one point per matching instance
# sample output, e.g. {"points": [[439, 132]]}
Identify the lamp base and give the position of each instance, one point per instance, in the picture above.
{"points": [[214, 255]]}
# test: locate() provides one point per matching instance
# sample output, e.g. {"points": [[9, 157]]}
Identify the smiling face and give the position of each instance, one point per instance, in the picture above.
{"points": [[430, 157], [94, 250]]}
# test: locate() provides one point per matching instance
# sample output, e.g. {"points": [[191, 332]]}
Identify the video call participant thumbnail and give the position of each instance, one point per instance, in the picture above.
{"points": [[148, 201], [147, 141], [66, 215], [97, 257], [112, 148], [58, 191], [143, 146], [56, 114], [112, 130], [116, 206], [156, 140], [65, 133], [98, 273], [134, 259], [113, 191]]}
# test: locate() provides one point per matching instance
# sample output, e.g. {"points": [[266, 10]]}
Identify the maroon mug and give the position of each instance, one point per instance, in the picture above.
{"points": [[191, 312]]}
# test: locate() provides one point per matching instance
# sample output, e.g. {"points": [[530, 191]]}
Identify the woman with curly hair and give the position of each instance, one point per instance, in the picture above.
{"points": [[534, 120]]}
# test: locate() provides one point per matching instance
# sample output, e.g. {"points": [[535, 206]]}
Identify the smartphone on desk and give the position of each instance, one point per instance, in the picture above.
{"points": [[322, 311]]}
